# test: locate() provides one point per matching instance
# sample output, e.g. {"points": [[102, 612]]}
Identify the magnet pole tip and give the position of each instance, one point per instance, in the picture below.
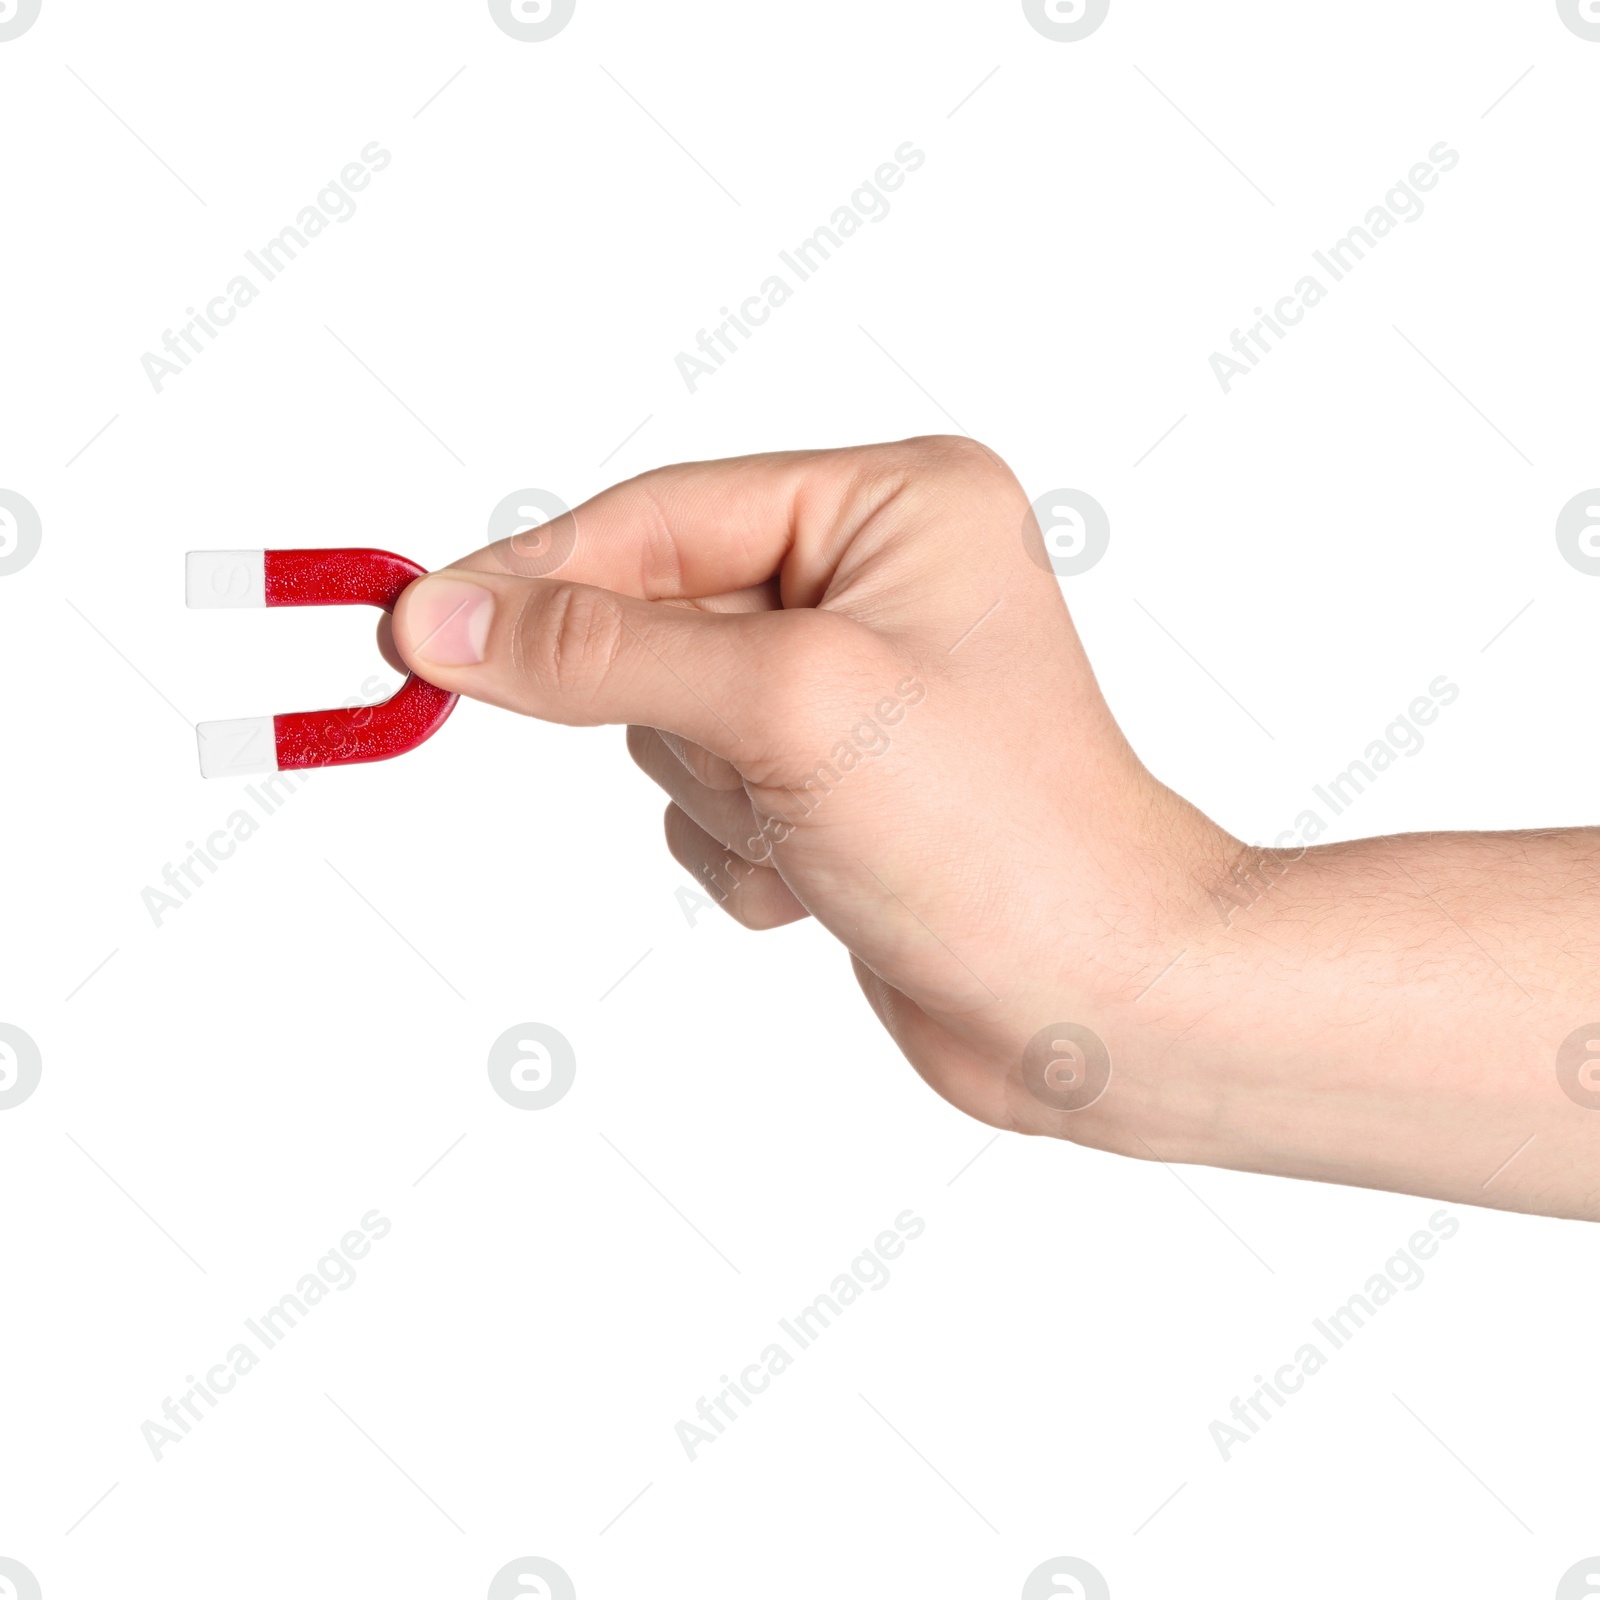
{"points": [[225, 580], [237, 748]]}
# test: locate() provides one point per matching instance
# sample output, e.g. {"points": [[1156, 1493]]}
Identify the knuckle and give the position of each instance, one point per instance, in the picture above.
{"points": [[570, 638], [954, 454], [937, 482], [884, 473], [753, 895]]}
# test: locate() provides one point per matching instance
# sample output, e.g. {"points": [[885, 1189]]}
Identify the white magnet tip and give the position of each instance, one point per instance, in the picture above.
{"points": [[237, 748], [217, 580]]}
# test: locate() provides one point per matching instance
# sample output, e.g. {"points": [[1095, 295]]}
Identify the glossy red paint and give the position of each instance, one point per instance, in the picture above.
{"points": [[347, 577]]}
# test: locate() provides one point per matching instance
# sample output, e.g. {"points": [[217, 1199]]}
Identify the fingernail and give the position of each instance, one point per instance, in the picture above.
{"points": [[449, 620]]}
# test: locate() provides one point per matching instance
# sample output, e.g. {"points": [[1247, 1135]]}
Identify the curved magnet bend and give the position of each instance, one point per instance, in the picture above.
{"points": [[236, 579]]}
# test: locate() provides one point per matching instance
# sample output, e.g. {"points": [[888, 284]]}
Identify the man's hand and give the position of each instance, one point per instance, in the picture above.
{"points": [[853, 674]]}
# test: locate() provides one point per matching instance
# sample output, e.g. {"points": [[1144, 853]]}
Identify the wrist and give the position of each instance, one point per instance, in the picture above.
{"points": [[1097, 1031]]}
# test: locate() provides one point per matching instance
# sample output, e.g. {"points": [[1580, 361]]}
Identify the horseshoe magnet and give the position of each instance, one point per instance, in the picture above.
{"points": [[233, 579]]}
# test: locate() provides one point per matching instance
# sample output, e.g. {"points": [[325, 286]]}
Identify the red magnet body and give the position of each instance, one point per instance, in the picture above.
{"points": [[240, 579]]}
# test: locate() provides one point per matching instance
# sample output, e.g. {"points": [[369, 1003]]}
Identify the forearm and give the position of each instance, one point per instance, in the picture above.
{"points": [[1387, 1013]]}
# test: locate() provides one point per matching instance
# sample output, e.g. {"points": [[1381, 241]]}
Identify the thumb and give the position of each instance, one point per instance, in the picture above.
{"points": [[573, 653]]}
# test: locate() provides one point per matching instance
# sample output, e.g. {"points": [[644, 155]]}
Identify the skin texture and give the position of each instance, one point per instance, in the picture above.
{"points": [[854, 676]]}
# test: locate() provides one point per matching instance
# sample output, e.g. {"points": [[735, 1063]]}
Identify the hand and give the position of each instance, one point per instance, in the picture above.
{"points": [[864, 697], [853, 674]]}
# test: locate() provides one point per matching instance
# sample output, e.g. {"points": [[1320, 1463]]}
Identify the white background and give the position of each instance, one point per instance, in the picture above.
{"points": [[229, 1092]]}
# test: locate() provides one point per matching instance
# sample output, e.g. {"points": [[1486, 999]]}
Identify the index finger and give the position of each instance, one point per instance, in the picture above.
{"points": [[705, 528], [685, 531]]}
